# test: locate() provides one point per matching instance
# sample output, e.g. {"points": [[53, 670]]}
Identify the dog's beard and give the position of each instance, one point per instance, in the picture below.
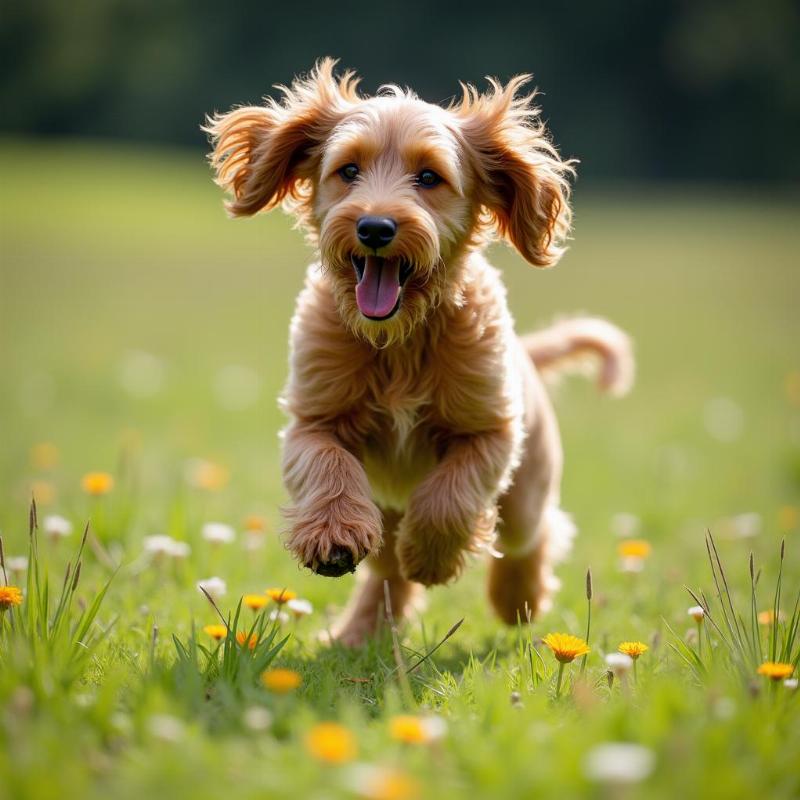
{"points": [[382, 298]]}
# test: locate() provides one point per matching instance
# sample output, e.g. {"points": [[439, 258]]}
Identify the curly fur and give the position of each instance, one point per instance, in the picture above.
{"points": [[416, 440]]}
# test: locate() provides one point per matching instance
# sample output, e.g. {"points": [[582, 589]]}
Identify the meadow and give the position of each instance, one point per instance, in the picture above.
{"points": [[143, 337]]}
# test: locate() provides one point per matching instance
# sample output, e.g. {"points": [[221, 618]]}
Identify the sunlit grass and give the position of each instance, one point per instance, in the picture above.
{"points": [[143, 337]]}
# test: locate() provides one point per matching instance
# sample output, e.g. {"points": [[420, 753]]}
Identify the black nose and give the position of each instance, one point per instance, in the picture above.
{"points": [[376, 232]]}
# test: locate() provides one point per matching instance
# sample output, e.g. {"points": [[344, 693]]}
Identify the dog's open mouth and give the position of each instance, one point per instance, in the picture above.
{"points": [[380, 281]]}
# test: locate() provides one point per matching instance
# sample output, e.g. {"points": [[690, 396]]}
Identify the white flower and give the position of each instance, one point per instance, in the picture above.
{"points": [[216, 587], [56, 527], [253, 540], [434, 727], [257, 718], [626, 525], [619, 664], [619, 762], [278, 616], [165, 546], [631, 564], [790, 683], [17, 563], [218, 533], [300, 607], [166, 727], [696, 613]]}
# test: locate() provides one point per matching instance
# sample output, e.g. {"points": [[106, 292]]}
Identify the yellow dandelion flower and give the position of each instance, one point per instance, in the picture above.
{"points": [[633, 649], [776, 671], [788, 518], [634, 548], [216, 631], [255, 602], [44, 455], [768, 617], [416, 730], [281, 681], [332, 743], [97, 483], [207, 475], [255, 523], [566, 647], [9, 596], [242, 639], [384, 783], [43, 492], [280, 596]]}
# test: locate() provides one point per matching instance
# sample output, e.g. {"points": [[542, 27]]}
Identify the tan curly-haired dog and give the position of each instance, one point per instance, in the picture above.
{"points": [[420, 429]]}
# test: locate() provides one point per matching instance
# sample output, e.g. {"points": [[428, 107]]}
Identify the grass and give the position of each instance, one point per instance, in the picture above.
{"points": [[141, 329]]}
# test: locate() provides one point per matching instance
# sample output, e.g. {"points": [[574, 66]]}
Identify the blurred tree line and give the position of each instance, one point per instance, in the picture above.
{"points": [[690, 90]]}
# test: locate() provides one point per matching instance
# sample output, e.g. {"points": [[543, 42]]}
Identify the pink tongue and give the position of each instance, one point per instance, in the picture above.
{"points": [[379, 287]]}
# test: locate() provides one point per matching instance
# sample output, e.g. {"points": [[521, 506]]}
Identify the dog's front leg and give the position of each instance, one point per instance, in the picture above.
{"points": [[334, 523], [453, 510]]}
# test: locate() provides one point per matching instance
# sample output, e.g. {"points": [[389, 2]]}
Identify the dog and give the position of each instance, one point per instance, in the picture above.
{"points": [[420, 427]]}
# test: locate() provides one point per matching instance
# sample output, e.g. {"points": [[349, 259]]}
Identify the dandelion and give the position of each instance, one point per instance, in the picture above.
{"points": [[633, 553], [9, 596], [768, 617], [566, 648], [43, 492], [633, 649], [214, 586], [696, 613], [217, 632], [97, 483], [300, 607], [281, 681], [416, 730], [44, 455], [162, 546], [242, 639], [280, 596], [775, 670], [619, 763], [255, 523], [331, 743], [56, 527], [206, 475], [255, 602], [218, 533], [382, 783], [788, 518]]}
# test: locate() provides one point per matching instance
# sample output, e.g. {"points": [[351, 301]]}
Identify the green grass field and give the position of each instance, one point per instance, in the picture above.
{"points": [[141, 330]]}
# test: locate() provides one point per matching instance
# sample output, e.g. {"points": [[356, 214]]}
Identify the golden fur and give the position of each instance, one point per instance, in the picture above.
{"points": [[418, 439]]}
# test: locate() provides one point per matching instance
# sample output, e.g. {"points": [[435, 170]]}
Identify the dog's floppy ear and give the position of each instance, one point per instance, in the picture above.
{"points": [[264, 154], [521, 180]]}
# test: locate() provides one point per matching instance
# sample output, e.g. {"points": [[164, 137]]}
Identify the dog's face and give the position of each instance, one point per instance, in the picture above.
{"points": [[394, 190]]}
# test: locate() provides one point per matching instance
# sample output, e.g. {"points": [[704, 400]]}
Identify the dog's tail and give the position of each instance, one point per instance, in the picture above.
{"points": [[568, 344]]}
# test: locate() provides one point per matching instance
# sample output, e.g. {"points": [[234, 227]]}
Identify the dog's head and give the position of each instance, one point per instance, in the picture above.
{"points": [[394, 191]]}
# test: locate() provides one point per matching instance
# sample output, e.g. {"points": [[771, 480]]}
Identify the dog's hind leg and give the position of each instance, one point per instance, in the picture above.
{"points": [[366, 610], [532, 532]]}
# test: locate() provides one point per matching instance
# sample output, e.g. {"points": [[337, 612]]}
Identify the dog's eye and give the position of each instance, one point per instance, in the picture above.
{"points": [[428, 178], [349, 172]]}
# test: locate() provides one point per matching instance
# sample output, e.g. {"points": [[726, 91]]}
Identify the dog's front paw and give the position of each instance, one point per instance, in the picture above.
{"points": [[332, 538]]}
